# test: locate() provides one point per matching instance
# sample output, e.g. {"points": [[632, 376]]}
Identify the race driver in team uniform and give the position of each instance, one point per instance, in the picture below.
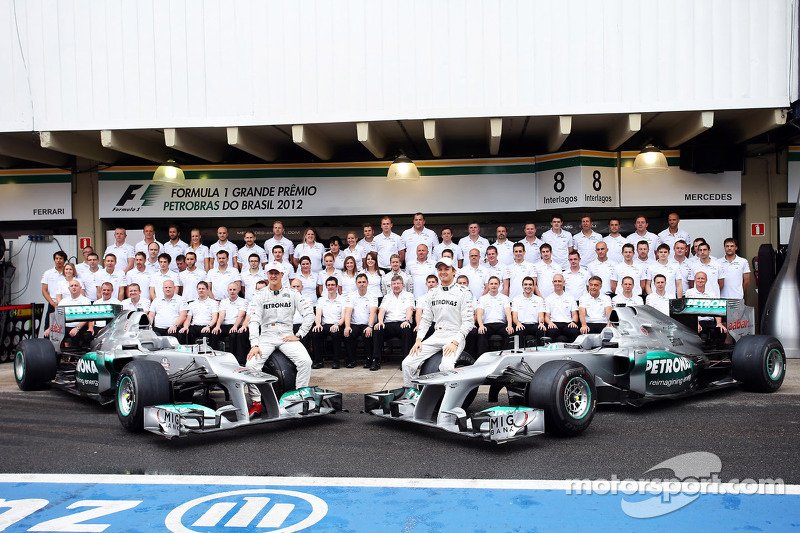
{"points": [[271, 314], [449, 307]]}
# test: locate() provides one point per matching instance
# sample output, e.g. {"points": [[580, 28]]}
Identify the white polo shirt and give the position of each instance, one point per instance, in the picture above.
{"points": [[527, 309], [532, 254], [412, 239], [714, 271], [388, 246], [458, 255], [505, 251], [386, 282], [476, 278], [174, 250], [516, 273], [670, 239], [90, 282], [605, 271], [142, 279], [249, 280], [396, 306], [201, 253], [419, 273], [142, 305], [157, 281], [494, 308], [368, 246], [189, 280], [575, 282], [167, 311], [560, 307], [361, 306], [314, 254], [202, 311], [651, 238], [561, 243], [466, 244], [141, 246], [220, 280], [615, 245], [309, 291], [232, 249], [621, 299], [269, 244], [544, 276], [499, 269], [734, 276], [63, 286], [122, 253], [595, 308], [244, 254], [332, 310], [357, 253], [658, 302], [586, 245], [348, 284], [624, 270], [232, 309], [52, 278], [671, 271], [117, 279]]}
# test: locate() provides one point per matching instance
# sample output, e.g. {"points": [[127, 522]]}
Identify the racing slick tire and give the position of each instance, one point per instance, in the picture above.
{"points": [[35, 364], [141, 384], [431, 365], [565, 391], [282, 368], [759, 362]]}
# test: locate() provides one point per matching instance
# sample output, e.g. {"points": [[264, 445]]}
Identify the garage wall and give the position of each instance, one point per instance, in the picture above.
{"points": [[78, 64]]}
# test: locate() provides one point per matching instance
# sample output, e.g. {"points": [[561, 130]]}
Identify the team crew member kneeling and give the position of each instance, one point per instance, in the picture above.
{"points": [[271, 314], [449, 307]]}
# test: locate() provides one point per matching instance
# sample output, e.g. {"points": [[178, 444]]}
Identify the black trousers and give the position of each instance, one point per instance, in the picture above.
{"points": [[562, 332], [596, 327], [531, 332], [494, 328], [318, 338], [239, 343], [351, 342], [163, 332], [392, 330], [195, 334]]}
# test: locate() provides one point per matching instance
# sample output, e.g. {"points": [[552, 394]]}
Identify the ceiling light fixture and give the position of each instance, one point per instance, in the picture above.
{"points": [[650, 160], [169, 173], [403, 169]]}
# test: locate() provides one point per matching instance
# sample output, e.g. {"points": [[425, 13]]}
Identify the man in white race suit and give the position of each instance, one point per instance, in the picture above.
{"points": [[271, 319], [449, 308]]}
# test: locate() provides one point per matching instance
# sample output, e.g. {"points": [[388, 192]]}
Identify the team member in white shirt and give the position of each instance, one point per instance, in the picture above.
{"points": [[191, 276], [546, 269], [386, 279], [81, 268], [585, 241], [594, 308], [175, 247], [329, 321], [218, 278], [168, 313], [527, 312], [149, 237], [630, 268], [63, 284], [164, 273], [641, 234], [561, 313], [327, 272], [271, 314], [224, 244], [672, 234], [518, 270], [658, 299], [559, 240], [737, 271], [200, 250], [670, 270], [679, 257], [113, 275], [448, 244], [645, 262], [388, 244], [714, 271], [614, 240], [494, 267], [532, 244], [394, 320], [368, 244], [153, 251], [361, 313], [475, 272], [201, 318], [233, 323], [252, 274], [493, 316], [354, 250], [278, 238], [123, 251], [135, 302], [250, 247], [335, 249], [576, 276], [139, 274], [712, 328], [278, 256], [604, 268], [419, 269], [449, 307], [310, 248], [308, 279], [78, 332], [473, 240], [504, 247], [627, 297], [418, 234], [89, 275], [349, 276], [51, 279]]}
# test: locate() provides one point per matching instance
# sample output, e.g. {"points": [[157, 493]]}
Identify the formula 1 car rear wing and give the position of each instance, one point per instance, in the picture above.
{"points": [[739, 318], [78, 313]]}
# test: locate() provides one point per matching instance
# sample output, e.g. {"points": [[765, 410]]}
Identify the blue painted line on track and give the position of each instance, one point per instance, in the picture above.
{"points": [[150, 503]]}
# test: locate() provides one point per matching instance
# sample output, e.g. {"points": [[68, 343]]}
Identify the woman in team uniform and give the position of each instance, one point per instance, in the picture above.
{"points": [[347, 283], [329, 271], [70, 273], [354, 250], [308, 279], [312, 249], [200, 250], [373, 275]]}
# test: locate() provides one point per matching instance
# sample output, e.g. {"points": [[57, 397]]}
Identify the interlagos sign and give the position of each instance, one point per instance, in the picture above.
{"points": [[316, 190]]}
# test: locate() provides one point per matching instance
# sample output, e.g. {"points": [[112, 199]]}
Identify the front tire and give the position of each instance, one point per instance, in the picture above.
{"points": [[34, 364], [565, 391], [759, 362], [141, 384], [282, 368]]}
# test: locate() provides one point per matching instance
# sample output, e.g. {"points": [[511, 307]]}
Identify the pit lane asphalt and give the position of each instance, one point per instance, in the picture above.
{"points": [[755, 435]]}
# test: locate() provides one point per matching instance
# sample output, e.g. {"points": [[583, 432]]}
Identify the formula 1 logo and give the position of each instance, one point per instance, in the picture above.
{"points": [[147, 197], [287, 510]]}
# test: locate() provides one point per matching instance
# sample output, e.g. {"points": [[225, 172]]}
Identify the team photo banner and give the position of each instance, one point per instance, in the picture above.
{"points": [[290, 190]]}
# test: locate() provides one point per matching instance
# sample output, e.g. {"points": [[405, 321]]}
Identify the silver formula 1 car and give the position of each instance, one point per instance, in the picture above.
{"points": [[642, 355], [157, 384]]}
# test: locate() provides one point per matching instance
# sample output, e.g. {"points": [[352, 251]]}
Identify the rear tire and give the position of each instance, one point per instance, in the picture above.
{"points": [[282, 368], [759, 362], [34, 364], [565, 391], [431, 365], [141, 384]]}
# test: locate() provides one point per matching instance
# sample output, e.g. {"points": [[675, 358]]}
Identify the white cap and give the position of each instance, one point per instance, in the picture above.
{"points": [[275, 266], [446, 261]]}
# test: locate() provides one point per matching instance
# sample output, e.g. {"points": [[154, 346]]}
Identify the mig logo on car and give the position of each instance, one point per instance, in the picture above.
{"points": [[286, 510]]}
